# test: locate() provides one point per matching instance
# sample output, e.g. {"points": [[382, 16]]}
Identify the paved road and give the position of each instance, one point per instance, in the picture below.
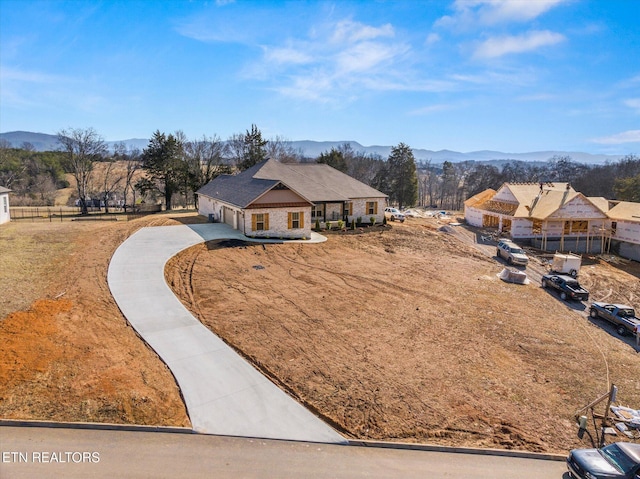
{"points": [[223, 393], [164, 455]]}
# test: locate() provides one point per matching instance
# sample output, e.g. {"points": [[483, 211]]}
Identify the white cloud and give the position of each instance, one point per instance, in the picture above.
{"points": [[366, 56], [336, 62], [498, 46], [427, 110], [432, 39], [12, 74], [538, 97], [286, 55], [470, 13], [633, 103], [629, 136], [501, 11], [348, 31], [28, 88]]}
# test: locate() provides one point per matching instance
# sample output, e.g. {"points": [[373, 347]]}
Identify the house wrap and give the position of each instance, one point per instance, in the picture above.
{"points": [[555, 217]]}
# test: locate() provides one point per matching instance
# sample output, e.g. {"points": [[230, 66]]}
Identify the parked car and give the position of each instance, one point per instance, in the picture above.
{"points": [[567, 287], [393, 214], [511, 252], [623, 317], [620, 460]]}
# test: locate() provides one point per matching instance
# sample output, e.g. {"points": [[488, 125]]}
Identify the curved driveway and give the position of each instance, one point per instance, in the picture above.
{"points": [[223, 393]]}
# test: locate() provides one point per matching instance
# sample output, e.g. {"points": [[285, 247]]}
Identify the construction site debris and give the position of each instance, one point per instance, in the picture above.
{"points": [[513, 276]]}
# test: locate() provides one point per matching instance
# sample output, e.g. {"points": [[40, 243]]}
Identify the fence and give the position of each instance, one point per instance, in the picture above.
{"points": [[69, 213]]}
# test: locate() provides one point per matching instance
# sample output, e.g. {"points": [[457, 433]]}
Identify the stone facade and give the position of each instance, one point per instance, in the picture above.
{"points": [[278, 220]]}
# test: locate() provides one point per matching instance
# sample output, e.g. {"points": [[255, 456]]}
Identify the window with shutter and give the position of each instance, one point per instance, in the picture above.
{"points": [[295, 220], [260, 221]]}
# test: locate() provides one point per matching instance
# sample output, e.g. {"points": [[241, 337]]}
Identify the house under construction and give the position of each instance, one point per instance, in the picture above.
{"points": [[555, 217]]}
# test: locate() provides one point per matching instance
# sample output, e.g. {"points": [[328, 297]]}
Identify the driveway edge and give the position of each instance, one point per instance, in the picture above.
{"points": [[99, 426], [457, 450]]}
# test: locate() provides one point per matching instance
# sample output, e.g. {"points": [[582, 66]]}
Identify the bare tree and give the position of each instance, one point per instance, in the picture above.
{"points": [[280, 149], [365, 167], [234, 148], [83, 147], [110, 179], [205, 159], [133, 164], [9, 173]]}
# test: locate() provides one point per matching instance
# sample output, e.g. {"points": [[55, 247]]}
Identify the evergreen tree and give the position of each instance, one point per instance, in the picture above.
{"points": [[403, 179], [254, 149], [628, 189], [334, 158], [161, 160]]}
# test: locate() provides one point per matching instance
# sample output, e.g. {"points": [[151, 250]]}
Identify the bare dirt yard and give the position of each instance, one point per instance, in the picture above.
{"points": [[66, 351], [404, 333], [407, 334]]}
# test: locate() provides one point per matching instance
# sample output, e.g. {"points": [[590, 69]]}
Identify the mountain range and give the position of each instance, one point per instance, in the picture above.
{"points": [[312, 149]]}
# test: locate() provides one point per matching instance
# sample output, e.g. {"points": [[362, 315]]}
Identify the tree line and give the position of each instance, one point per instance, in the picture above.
{"points": [[172, 168], [450, 184]]}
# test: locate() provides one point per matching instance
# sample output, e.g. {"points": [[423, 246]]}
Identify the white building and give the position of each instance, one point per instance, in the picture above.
{"points": [[5, 210], [625, 228]]}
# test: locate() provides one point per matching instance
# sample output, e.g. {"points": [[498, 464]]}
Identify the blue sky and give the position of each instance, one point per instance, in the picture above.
{"points": [[511, 75]]}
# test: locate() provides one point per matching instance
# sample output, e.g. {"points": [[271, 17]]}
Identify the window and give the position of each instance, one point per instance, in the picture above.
{"points": [[260, 222], [537, 227], [575, 227], [348, 208], [579, 226], [317, 211], [372, 207], [6, 206], [296, 220]]}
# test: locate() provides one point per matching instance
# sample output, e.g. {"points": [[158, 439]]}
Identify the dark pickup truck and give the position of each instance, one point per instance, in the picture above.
{"points": [[621, 316], [568, 287]]}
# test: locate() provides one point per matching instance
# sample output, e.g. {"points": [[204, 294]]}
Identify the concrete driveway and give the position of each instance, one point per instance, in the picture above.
{"points": [[223, 393]]}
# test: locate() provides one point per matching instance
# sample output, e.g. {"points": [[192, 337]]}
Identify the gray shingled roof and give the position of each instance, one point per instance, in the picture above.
{"points": [[239, 190], [4, 190], [318, 182], [315, 182]]}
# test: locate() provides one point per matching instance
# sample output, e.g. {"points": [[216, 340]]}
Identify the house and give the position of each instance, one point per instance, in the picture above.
{"points": [[5, 211], [552, 216], [625, 228], [277, 200]]}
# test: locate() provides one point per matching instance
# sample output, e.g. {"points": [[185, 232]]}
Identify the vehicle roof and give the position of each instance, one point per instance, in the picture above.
{"points": [[630, 449], [615, 305], [566, 277]]}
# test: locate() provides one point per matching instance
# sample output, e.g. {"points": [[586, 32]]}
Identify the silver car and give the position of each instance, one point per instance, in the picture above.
{"points": [[512, 253], [393, 214]]}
